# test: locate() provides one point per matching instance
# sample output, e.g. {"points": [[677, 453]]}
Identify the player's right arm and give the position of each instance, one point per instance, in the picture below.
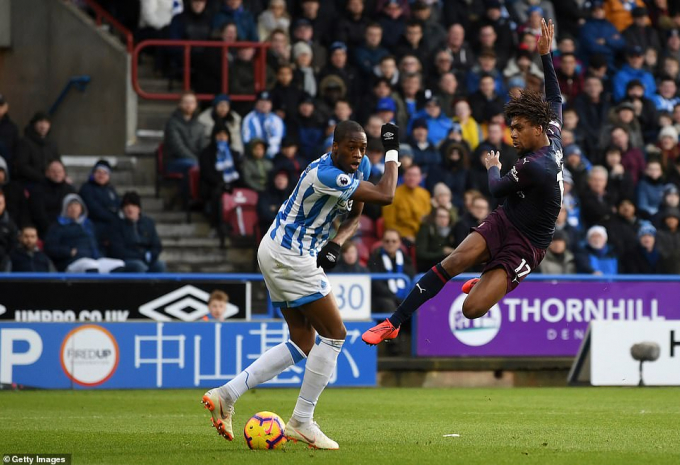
{"points": [[383, 192], [552, 86]]}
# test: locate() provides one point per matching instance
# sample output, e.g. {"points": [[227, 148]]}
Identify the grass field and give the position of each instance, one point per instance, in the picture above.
{"points": [[373, 426]]}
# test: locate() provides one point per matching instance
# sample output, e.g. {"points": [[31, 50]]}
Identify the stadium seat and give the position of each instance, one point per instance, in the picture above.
{"points": [[161, 173], [379, 227], [239, 213], [195, 200], [364, 252], [366, 227]]}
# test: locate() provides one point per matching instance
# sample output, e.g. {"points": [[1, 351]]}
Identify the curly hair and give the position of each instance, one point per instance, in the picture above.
{"points": [[531, 106]]}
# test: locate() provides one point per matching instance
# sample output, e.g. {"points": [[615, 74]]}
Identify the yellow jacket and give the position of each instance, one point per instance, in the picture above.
{"points": [[407, 210], [618, 15]]}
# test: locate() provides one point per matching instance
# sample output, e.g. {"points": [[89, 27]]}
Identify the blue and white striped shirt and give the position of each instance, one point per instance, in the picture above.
{"points": [[322, 193]]}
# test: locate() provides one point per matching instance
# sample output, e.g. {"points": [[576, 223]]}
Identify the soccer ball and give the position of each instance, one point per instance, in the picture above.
{"points": [[264, 431]]}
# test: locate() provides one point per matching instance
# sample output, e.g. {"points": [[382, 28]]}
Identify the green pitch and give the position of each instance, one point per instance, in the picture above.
{"points": [[372, 426]]}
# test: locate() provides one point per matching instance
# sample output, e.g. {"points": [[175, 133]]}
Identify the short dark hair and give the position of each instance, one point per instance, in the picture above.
{"points": [[344, 128], [532, 107]]}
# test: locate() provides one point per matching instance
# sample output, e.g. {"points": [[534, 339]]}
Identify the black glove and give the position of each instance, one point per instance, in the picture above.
{"points": [[329, 255], [390, 136]]}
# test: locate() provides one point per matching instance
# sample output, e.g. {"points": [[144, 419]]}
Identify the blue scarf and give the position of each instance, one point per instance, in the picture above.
{"points": [[224, 162]]}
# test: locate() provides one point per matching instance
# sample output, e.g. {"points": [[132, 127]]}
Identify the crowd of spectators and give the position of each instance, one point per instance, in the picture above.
{"points": [[442, 70], [47, 224]]}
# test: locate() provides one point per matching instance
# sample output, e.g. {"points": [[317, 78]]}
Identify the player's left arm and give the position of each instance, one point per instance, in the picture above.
{"points": [[517, 179], [552, 86]]}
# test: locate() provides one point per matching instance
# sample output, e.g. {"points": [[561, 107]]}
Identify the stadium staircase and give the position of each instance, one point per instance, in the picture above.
{"points": [[188, 246]]}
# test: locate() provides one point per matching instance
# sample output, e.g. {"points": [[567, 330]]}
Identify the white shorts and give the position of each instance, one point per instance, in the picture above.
{"points": [[292, 279]]}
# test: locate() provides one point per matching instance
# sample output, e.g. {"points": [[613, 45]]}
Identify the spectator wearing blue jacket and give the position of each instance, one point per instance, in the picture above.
{"points": [[71, 243], [486, 66], [233, 12], [368, 55], [134, 239], [438, 124], [667, 98], [262, 124], [634, 69], [599, 36], [100, 196], [650, 190], [425, 154], [597, 257]]}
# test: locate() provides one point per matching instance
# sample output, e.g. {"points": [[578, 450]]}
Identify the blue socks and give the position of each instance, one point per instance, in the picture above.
{"points": [[428, 286]]}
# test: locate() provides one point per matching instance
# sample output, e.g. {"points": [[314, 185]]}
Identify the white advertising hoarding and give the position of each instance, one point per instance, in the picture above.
{"points": [[612, 363]]}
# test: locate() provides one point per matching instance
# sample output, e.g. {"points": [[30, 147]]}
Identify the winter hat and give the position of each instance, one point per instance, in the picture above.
{"points": [[131, 198], [405, 150], [597, 230], [40, 116], [669, 212], [102, 165], [560, 235], [221, 98], [301, 48], [646, 228], [669, 131], [386, 104], [419, 123], [670, 189]]}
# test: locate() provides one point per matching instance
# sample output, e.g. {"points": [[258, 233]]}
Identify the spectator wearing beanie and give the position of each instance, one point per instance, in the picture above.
{"points": [[71, 242], [645, 257], [221, 111], [255, 167], [670, 148], [35, 150], [100, 196], [597, 257], [134, 239], [218, 172]]}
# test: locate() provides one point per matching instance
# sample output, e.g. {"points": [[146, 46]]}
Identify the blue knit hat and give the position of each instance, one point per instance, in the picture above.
{"points": [[646, 228]]}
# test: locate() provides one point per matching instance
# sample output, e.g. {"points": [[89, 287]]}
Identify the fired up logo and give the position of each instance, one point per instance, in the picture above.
{"points": [[476, 332], [89, 355]]}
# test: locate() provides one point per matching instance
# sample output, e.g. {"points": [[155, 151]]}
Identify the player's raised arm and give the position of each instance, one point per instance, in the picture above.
{"points": [[552, 87], [383, 192]]}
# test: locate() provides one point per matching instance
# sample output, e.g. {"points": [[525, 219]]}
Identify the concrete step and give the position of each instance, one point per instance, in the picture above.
{"points": [[183, 230], [178, 217], [156, 85], [153, 114], [191, 243]]}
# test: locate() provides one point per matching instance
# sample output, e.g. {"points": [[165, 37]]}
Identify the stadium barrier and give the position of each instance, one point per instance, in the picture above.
{"points": [[259, 64]]}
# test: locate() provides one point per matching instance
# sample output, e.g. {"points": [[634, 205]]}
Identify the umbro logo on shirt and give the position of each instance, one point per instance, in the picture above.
{"points": [[388, 135]]}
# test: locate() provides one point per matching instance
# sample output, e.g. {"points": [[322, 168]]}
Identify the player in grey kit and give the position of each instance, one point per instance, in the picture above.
{"points": [[513, 239]]}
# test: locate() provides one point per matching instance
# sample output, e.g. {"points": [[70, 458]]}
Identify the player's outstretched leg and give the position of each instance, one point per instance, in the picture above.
{"points": [[324, 316], [470, 252], [220, 401]]}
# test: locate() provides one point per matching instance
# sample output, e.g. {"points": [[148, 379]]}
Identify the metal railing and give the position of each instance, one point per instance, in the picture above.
{"points": [[259, 63], [101, 16], [79, 82]]}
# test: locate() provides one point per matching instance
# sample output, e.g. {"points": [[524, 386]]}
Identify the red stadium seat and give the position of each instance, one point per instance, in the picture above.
{"points": [[379, 227], [366, 227], [161, 173], [239, 213], [364, 252], [195, 200]]}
